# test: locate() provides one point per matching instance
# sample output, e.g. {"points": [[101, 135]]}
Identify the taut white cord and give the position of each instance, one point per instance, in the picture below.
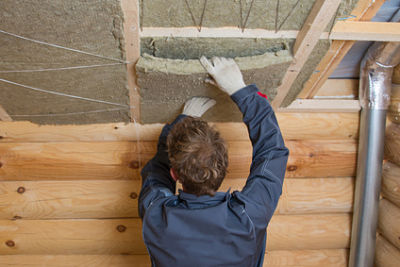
{"points": [[62, 94]]}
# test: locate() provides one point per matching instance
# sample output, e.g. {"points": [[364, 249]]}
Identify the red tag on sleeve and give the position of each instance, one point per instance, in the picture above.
{"points": [[262, 95]]}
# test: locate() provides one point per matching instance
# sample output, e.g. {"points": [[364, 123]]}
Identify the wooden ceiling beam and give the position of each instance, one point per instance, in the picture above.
{"points": [[316, 22], [364, 11]]}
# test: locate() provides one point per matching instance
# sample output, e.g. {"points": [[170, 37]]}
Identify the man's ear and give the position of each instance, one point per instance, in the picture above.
{"points": [[173, 174]]}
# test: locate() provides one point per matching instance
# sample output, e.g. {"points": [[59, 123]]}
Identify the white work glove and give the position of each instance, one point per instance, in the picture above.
{"points": [[197, 106], [225, 72]]}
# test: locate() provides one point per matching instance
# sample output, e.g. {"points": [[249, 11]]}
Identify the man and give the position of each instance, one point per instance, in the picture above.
{"points": [[200, 226]]}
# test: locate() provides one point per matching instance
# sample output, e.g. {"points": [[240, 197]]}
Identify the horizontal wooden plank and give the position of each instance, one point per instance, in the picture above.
{"points": [[322, 105], [386, 255], [312, 126], [366, 31], [388, 222], [118, 199], [298, 258], [391, 183], [119, 160], [338, 88], [124, 236]]}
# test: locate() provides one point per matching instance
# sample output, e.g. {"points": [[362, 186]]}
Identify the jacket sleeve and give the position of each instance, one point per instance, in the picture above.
{"points": [[264, 184], [156, 179]]}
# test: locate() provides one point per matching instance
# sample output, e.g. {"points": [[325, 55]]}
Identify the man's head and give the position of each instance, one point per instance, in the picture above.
{"points": [[198, 155]]}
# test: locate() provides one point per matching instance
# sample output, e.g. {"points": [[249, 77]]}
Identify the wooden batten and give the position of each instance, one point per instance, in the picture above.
{"points": [[124, 236], [391, 183], [132, 53], [364, 11], [119, 199], [392, 143], [122, 160], [310, 258], [366, 31], [386, 255], [318, 18], [312, 126], [388, 222]]}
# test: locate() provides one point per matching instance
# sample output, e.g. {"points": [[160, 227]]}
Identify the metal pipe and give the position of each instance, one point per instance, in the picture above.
{"points": [[374, 94]]}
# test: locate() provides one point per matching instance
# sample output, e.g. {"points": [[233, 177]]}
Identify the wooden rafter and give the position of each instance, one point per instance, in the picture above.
{"points": [[4, 115], [132, 50], [364, 11], [319, 17]]}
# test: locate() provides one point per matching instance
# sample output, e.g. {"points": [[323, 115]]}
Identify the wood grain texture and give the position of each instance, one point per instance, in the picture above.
{"points": [[386, 255], [119, 199], [327, 105], [392, 143], [391, 183], [298, 258], [316, 22], [339, 88], [286, 232], [365, 10], [366, 31], [312, 126], [120, 160], [388, 222], [130, 9]]}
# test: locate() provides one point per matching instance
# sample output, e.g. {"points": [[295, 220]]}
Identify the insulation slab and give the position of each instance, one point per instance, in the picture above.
{"points": [[93, 26], [167, 83]]}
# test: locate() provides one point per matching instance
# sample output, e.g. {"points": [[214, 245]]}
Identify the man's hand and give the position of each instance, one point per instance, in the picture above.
{"points": [[225, 72], [197, 106]]}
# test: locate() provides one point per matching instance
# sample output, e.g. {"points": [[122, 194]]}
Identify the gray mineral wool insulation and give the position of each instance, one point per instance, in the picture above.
{"points": [[93, 26], [167, 83], [194, 48], [309, 67], [220, 13]]}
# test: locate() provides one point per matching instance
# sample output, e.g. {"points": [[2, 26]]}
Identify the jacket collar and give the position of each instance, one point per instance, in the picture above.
{"points": [[202, 201]]}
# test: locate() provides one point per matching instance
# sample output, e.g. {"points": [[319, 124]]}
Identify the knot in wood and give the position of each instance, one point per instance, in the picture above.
{"points": [[1, 164], [134, 164], [121, 228], [10, 243], [292, 168], [16, 217], [134, 195], [21, 190]]}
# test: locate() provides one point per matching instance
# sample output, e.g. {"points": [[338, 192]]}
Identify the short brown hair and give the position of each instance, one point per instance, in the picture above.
{"points": [[198, 155]]}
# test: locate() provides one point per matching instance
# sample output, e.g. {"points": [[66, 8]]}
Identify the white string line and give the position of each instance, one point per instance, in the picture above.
{"points": [[62, 94], [65, 68], [67, 114], [62, 47]]}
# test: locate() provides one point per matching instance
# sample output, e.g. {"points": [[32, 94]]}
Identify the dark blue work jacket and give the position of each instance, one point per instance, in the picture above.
{"points": [[228, 229]]}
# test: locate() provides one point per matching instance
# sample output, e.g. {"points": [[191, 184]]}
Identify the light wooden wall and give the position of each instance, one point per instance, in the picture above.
{"points": [[388, 240], [68, 194]]}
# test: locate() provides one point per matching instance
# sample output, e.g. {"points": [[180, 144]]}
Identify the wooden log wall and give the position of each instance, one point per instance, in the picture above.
{"points": [[387, 252], [68, 194]]}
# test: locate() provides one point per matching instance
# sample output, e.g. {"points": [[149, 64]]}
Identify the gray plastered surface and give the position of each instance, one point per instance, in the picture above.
{"points": [[94, 26]]}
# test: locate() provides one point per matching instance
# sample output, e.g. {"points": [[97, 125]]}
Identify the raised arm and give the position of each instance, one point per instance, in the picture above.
{"points": [[264, 184]]}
